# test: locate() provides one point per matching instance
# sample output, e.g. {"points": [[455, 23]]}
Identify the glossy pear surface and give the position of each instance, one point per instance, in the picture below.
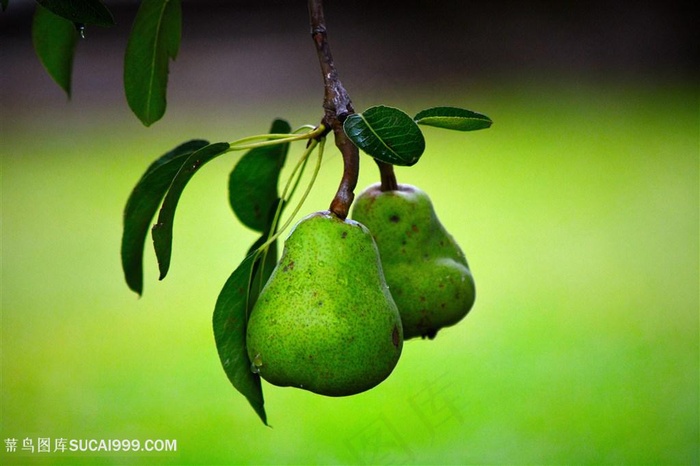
{"points": [[427, 272], [325, 321]]}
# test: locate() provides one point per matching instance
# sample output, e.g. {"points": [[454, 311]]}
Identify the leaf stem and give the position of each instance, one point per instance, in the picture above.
{"points": [[337, 106], [302, 162], [274, 139]]}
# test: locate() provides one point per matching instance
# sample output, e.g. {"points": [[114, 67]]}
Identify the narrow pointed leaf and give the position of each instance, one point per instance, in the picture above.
{"points": [[54, 40], [454, 118], [154, 40], [253, 181], [142, 206], [162, 231], [80, 11], [229, 322], [387, 134]]}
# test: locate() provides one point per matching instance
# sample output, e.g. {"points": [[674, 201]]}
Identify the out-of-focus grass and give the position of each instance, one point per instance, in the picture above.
{"points": [[578, 211]]}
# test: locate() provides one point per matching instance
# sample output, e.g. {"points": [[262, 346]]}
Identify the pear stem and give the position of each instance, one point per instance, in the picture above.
{"points": [[387, 176], [337, 106]]}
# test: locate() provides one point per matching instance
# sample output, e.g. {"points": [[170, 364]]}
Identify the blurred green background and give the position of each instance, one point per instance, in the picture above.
{"points": [[578, 211]]}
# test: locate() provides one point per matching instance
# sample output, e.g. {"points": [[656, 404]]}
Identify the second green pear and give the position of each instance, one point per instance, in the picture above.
{"points": [[325, 321], [426, 270]]}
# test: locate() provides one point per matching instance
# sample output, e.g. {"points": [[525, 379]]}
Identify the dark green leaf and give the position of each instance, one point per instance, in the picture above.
{"points": [[80, 11], [142, 205], [162, 231], [54, 42], [153, 42], [233, 307], [453, 118], [387, 134], [3, 3], [229, 321], [253, 181]]}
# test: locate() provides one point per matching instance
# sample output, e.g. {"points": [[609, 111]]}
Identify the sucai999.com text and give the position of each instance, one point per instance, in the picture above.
{"points": [[41, 445]]}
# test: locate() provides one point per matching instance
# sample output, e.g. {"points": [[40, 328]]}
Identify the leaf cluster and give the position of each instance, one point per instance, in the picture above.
{"points": [[391, 136], [153, 42], [255, 201]]}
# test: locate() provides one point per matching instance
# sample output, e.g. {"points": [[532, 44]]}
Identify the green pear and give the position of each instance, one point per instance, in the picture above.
{"points": [[427, 272], [325, 320]]}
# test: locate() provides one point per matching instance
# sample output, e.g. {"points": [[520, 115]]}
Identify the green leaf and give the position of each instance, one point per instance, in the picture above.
{"points": [[153, 42], [162, 231], [80, 11], [54, 42], [229, 321], [387, 134], [142, 205], [3, 3], [253, 181], [453, 118]]}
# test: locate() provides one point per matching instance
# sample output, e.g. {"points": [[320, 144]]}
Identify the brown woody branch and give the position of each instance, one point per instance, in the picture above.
{"points": [[337, 106]]}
